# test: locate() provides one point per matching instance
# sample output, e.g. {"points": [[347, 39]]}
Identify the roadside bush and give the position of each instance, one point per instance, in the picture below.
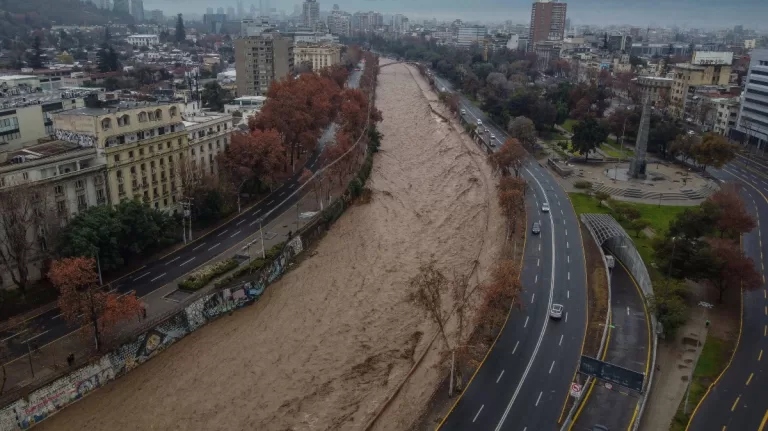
{"points": [[355, 187], [200, 278], [582, 184]]}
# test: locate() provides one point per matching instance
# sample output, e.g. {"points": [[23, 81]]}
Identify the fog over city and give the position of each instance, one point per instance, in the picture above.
{"points": [[682, 13]]}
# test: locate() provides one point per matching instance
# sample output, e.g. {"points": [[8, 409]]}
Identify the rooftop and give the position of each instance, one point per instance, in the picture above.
{"points": [[20, 99], [40, 151], [96, 112], [688, 66], [251, 98], [204, 117]]}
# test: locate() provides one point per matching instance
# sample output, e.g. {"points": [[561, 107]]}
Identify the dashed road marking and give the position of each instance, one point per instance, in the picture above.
{"points": [[515, 349], [141, 276], [539, 398], [566, 317], [186, 262], [551, 366], [214, 246], [222, 232], [157, 277], [499, 378], [526, 321], [198, 246], [561, 340], [234, 234], [533, 298], [172, 260], [478, 413]]}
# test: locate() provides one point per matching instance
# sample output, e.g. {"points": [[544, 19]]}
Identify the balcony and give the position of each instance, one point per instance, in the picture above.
{"points": [[81, 206]]}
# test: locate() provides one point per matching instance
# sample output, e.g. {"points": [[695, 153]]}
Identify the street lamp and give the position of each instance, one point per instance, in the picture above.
{"points": [[261, 233], [238, 194]]}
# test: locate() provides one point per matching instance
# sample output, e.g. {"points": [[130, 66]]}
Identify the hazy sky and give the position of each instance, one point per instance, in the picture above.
{"points": [[684, 13]]}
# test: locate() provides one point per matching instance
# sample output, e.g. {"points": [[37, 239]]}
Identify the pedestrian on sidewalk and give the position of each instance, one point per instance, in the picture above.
{"points": [[144, 312], [71, 359]]}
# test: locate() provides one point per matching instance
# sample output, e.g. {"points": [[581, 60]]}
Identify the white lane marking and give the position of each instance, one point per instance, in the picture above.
{"points": [[292, 185], [478, 413], [190, 260], [539, 247], [566, 232], [18, 333], [198, 246], [270, 202], [569, 258], [533, 298], [38, 335], [569, 275], [499, 378], [515, 349], [222, 232], [536, 279], [561, 340], [172, 260], [566, 317], [281, 193], [568, 293], [59, 315], [141, 276], [551, 366], [567, 244], [538, 262], [526, 322], [157, 277], [240, 222], [253, 222], [234, 234], [627, 310], [561, 212], [546, 321], [539, 398], [214, 246]]}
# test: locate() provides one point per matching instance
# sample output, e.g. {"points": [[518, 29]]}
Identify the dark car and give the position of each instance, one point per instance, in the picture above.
{"points": [[536, 228], [599, 428]]}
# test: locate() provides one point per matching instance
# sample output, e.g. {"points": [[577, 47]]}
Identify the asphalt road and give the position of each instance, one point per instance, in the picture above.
{"points": [[49, 326], [525, 380], [739, 401], [628, 347]]}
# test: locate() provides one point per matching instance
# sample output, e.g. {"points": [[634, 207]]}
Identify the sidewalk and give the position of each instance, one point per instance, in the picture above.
{"points": [[50, 360]]}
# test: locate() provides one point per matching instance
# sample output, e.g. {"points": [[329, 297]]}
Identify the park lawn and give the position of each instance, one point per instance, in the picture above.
{"points": [[714, 357], [568, 124], [658, 216]]}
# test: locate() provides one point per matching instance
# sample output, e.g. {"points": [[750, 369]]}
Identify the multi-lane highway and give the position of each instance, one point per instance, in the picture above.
{"points": [[524, 382], [739, 400], [49, 326]]}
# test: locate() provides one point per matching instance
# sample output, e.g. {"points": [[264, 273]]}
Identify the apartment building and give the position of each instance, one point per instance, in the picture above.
{"points": [[310, 13], [653, 88], [143, 144], [726, 112], [547, 21], [319, 55], [340, 23], [261, 59], [207, 135], [65, 178], [753, 114], [705, 68], [143, 40], [25, 117], [468, 35]]}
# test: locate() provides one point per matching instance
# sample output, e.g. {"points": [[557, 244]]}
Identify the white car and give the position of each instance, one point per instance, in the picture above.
{"points": [[545, 207], [463, 112], [493, 137], [556, 312], [479, 122]]}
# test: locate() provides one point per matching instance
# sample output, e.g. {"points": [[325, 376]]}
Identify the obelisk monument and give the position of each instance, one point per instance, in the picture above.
{"points": [[638, 163]]}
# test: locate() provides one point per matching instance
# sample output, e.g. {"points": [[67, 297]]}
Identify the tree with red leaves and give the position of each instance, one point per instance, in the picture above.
{"points": [[729, 267], [257, 155], [511, 155], [732, 218], [84, 303]]}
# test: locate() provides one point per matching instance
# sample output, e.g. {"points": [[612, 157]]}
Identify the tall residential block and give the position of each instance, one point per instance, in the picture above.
{"points": [[261, 59], [310, 13], [707, 68], [547, 21], [122, 6], [137, 10], [753, 114]]}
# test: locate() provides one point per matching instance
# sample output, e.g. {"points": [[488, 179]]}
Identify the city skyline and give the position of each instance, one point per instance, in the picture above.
{"points": [[681, 13]]}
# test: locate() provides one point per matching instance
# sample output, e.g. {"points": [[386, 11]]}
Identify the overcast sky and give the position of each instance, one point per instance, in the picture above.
{"points": [[683, 13]]}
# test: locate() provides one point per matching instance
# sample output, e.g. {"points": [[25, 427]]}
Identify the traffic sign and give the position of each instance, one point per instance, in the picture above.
{"points": [[575, 390], [612, 373]]}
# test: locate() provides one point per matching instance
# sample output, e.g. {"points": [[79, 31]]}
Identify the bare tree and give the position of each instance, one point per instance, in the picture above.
{"points": [[429, 286], [25, 214], [460, 295]]}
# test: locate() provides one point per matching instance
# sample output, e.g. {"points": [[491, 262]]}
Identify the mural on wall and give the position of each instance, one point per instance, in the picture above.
{"points": [[78, 138], [43, 402]]}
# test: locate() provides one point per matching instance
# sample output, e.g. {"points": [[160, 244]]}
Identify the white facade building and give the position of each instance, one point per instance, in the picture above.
{"points": [[753, 115], [143, 39], [208, 136]]}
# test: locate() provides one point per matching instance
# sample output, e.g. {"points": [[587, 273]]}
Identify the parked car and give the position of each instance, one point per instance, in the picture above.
{"points": [[545, 207], [463, 112], [556, 312], [479, 122], [493, 137], [536, 228]]}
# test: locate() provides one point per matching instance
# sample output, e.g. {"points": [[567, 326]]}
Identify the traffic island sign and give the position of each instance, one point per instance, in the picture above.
{"points": [[575, 390]]}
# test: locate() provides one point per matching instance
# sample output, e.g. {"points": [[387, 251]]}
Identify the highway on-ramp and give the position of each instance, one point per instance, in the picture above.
{"points": [[50, 326], [524, 382], [739, 399]]}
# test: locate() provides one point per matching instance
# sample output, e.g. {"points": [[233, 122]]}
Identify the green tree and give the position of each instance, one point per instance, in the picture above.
{"points": [[36, 58], [638, 225], [602, 197], [108, 59], [715, 151], [181, 34], [668, 304], [588, 135], [215, 97]]}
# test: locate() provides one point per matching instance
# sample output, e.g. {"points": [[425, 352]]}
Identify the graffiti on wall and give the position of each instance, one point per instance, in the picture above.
{"points": [[45, 401], [78, 138]]}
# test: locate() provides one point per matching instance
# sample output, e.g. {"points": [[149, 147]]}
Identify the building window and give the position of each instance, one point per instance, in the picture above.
{"points": [[117, 158], [168, 145], [61, 206], [25, 175], [81, 203], [79, 185], [151, 116], [59, 190], [124, 120], [179, 142], [210, 146], [172, 111], [120, 189], [142, 117], [158, 114], [106, 124], [100, 194]]}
